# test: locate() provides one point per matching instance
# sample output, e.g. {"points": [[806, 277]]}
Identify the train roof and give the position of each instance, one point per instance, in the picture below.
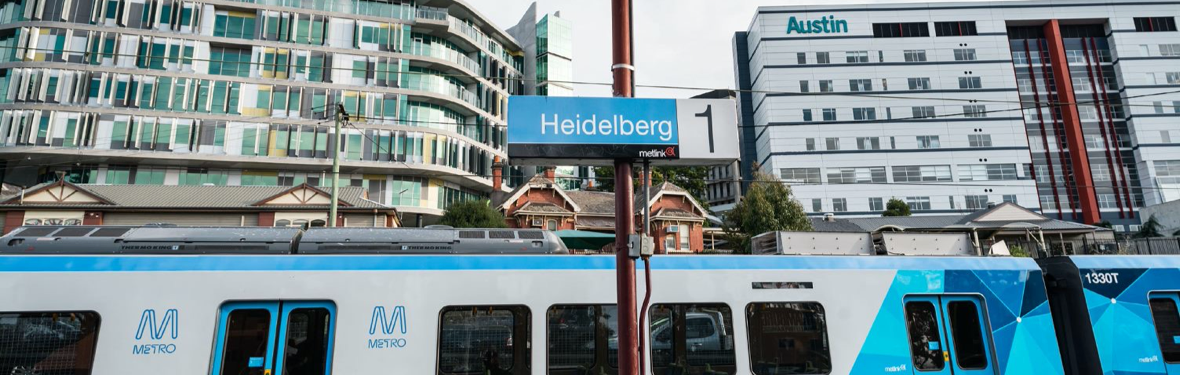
{"points": [[134, 263]]}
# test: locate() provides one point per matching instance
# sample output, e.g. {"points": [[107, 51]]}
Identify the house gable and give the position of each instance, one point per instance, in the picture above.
{"points": [[1010, 212], [302, 195], [60, 192]]}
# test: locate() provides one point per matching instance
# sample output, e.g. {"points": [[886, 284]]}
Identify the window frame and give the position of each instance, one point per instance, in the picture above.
{"points": [[97, 330], [750, 334], [524, 324]]}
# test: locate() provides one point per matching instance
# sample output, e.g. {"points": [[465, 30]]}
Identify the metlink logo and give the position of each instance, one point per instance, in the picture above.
{"points": [[825, 25]]}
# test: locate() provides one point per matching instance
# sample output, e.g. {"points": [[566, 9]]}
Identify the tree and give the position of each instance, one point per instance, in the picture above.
{"points": [[767, 207], [473, 214], [1150, 229], [896, 207]]}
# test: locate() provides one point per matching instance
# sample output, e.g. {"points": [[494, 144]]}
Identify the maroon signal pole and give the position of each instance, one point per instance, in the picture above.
{"points": [[624, 205]]}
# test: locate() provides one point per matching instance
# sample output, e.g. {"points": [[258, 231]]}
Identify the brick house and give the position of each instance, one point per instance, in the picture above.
{"points": [[64, 203], [677, 219]]}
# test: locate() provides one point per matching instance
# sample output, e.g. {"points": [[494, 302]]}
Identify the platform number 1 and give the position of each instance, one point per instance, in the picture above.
{"points": [[708, 115]]}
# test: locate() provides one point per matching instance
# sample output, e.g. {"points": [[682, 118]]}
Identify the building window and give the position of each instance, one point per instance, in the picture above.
{"points": [[839, 205], [823, 58], [965, 54], [1107, 201], [683, 232], [970, 83], [1149, 24], [234, 25], [833, 144], [1167, 324], [923, 112], [1011, 198], [928, 142], [551, 225], [979, 140], [810, 142], [922, 173], [789, 336], [800, 175], [804, 86], [829, 114], [959, 28], [1170, 49], [915, 55], [826, 86], [858, 57], [676, 329], [1172, 78], [918, 203], [976, 202], [901, 30], [876, 204], [864, 114], [856, 175], [860, 85], [987, 172], [817, 205], [1167, 168], [868, 143], [60, 342], [975, 111], [807, 115], [802, 58], [919, 83], [479, 337]]}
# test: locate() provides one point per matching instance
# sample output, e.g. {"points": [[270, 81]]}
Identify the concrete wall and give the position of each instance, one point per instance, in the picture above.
{"points": [[1167, 214]]}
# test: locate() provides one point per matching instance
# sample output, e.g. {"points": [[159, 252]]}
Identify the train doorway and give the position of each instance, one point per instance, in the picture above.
{"points": [[947, 335], [274, 338]]}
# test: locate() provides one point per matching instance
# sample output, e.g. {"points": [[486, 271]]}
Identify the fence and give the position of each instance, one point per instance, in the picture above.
{"points": [[1126, 246]]}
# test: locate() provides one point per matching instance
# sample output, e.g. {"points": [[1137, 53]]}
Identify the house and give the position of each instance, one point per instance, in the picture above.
{"points": [[64, 203], [1008, 222], [677, 219]]}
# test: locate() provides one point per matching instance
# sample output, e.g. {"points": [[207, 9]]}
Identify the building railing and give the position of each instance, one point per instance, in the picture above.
{"points": [[480, 38], [432, 13], [360, 7], [441, 52]]}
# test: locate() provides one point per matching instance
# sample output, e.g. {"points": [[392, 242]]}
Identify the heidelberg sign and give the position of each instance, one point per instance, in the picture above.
{"points": [[594, 131]]}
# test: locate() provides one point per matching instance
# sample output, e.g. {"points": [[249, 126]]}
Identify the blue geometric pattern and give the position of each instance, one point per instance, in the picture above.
{"points": [[1124, 331], [1017, 312]]}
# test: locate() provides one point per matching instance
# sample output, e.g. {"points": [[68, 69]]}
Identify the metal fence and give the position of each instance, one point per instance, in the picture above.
{"points": [[1086, 246]]}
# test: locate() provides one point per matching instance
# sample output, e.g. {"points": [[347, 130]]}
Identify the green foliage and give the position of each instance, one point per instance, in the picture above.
{"points": [[473, 214], [692, 179], [1018, 251], [1105, 224], [896, 207], [767, 207], [1150, 229]]}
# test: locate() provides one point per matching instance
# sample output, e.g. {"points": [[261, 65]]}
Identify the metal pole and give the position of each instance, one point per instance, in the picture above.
{"points": [[624, 199], [646, 197], [340, 118]]}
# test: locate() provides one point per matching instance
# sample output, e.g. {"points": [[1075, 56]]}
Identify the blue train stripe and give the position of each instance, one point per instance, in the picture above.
{"points": [[504, 262]]}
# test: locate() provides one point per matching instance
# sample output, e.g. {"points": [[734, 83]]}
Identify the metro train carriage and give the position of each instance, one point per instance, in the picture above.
{"points": [[1116, 314], [145, 309]]}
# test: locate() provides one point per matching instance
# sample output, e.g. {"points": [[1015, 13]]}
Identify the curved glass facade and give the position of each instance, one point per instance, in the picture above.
{"points": [[180, 92]]}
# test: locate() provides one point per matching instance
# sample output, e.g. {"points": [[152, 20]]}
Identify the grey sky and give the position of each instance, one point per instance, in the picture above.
{"points": [[678, 42]]}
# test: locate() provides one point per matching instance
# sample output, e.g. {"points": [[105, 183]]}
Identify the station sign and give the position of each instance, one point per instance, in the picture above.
{"points": [[595, 131]]}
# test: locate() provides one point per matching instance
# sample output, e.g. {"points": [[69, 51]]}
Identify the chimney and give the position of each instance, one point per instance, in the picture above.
{"points": [[551, 174], [497, 174]]}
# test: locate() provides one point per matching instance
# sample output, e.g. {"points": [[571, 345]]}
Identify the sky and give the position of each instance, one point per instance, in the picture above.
{"points": [[684, 43]]}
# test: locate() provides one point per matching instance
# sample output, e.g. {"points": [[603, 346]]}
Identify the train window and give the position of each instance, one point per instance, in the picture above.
{"points": [[967, 331], [1167, 326], [692, 338], [59, 343], [582, 339], [925, 339], [274, 337], [247, 334], [788, 338], [491, 340]]}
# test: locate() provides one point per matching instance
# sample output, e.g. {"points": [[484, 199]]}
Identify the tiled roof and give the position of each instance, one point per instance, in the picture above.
{"points": [[196, 197], [594, 202], [542, 207], [872, 224]]}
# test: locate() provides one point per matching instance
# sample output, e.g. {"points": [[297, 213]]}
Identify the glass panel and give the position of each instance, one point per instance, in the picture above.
{"points": [[692, 339], [967, 331], [925, 340], [247, 333], [571, 331], [307, 341], [51, 343], [1167, 327], [479, 340], [788, 338]]}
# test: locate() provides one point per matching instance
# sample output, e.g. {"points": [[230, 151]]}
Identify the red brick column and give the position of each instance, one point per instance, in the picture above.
{"points": [[1073, 125]]}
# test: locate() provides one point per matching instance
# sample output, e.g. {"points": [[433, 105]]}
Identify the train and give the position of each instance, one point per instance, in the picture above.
{"points": [[257, 301]]}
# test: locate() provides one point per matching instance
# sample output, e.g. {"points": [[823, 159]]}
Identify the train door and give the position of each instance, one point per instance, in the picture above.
{"points": [[274, 338], [947, 335], [1166, 316]]}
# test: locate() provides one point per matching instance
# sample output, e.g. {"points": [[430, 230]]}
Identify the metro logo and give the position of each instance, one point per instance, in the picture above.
{"points": [[157, 329], [389, 323]]}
